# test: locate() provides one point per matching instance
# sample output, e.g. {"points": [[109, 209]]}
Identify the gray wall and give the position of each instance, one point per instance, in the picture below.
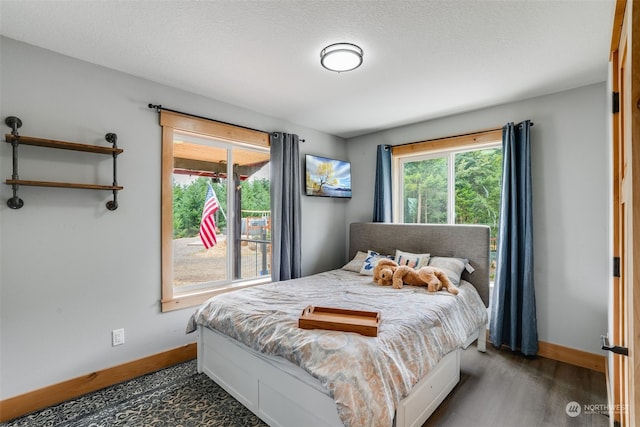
{"points": [[571, 196], [70, 270]]}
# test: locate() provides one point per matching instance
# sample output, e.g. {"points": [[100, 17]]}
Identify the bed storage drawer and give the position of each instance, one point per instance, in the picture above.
{"points": [[429, 392], [230, 368], [279, 400]]}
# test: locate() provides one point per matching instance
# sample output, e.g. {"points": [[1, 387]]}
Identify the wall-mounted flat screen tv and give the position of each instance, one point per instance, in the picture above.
{"points": [[327, 177]]}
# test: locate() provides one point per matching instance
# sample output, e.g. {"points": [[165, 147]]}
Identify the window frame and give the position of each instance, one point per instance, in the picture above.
{"points": [[433, 148], [171, 124]]}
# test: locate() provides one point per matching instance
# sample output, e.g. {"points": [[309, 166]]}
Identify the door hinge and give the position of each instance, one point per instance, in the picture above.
{"points": [[616, 266], [624, 351], [615, 101]]}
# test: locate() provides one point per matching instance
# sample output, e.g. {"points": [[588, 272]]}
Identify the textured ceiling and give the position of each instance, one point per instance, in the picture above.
{"points": [[422, 59]]}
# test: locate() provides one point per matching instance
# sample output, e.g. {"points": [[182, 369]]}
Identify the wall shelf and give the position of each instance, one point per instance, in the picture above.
{"points": [[16, 140], [62, 184], [50, 143]]}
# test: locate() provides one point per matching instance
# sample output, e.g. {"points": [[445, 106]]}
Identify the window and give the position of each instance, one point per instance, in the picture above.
{"points": [[205, 160], [450, 181]]}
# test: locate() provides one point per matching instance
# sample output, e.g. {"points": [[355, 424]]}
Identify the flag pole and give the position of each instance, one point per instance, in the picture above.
{"points": [[219, 205]]}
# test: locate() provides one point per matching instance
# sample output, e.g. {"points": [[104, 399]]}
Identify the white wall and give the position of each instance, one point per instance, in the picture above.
{"points": [[571, 197], [70, 270]]}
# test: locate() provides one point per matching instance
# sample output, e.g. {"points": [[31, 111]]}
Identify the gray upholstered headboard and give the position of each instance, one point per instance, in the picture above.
{"points": [[462, 241]]}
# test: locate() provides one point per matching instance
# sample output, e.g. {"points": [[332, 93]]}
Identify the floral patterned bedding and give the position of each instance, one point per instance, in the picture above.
{"points": [[366, 376]]}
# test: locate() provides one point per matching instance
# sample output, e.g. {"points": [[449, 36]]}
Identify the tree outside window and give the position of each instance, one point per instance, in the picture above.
{"points": [[460, 185]]}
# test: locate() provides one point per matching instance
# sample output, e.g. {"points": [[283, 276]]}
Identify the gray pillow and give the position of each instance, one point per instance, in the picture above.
{"points": [[356, 263], [452, 267]]}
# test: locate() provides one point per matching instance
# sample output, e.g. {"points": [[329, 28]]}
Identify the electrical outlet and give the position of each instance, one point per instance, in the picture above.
{"points": [[117, 337]]}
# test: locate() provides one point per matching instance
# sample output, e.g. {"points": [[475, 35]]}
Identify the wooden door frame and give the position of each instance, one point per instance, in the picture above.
{"points": [[634, 345], [625, 305]]}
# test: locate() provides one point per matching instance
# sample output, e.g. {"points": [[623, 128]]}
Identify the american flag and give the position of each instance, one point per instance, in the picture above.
{"points": [[208, 223]]}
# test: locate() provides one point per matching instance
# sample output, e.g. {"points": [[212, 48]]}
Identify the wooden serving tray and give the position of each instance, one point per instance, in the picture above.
{"points": [[338, 319]]}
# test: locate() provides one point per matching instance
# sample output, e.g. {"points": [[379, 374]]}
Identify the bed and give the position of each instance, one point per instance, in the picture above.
{"points": [[249, 343]]}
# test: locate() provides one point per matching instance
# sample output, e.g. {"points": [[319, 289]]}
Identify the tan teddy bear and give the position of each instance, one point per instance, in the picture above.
{"points": [[383, 272], [431, 277]]}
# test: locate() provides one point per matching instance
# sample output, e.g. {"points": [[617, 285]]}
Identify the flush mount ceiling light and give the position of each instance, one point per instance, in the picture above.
{"points": [[341, 57]]}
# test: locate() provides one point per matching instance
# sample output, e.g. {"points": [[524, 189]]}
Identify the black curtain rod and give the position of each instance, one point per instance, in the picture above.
{"points": [[159, 107], [454, 136]]}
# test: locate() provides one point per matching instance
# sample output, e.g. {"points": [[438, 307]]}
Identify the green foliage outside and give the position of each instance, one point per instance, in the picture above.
{"points": [[425, 191], [188, 202], [256, 195], [478, 177], [477, 199], [478, 181]]}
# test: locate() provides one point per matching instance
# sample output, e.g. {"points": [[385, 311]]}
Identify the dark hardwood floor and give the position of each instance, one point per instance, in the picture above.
{"points": [[500, 388]]}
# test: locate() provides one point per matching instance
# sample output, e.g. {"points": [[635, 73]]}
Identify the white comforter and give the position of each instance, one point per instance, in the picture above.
{"points": [[366, 376]]}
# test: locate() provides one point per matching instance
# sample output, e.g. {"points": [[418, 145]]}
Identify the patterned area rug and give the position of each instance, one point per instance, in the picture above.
{"points": [[176, 396]]}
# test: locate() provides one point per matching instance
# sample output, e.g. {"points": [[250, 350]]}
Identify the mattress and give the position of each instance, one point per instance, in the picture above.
{"points": [[366, 376]]}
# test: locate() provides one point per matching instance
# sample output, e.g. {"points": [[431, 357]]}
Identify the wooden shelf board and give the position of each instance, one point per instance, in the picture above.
{"points": [[41, 142], [62, 184]]}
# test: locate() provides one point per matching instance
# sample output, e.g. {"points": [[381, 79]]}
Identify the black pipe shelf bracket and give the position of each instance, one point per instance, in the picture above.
{"points": [[15, 139], [14, 123]]}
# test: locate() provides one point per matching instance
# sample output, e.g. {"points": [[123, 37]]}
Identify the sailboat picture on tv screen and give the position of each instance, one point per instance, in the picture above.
{"points": [[327, 177]]}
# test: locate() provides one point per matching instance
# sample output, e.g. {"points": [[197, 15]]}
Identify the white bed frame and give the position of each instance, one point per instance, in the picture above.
{"points": [[281, 399]]}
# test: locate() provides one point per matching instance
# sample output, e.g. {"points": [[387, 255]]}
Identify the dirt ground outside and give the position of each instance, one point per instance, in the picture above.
{"points": [[193, 264]]}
